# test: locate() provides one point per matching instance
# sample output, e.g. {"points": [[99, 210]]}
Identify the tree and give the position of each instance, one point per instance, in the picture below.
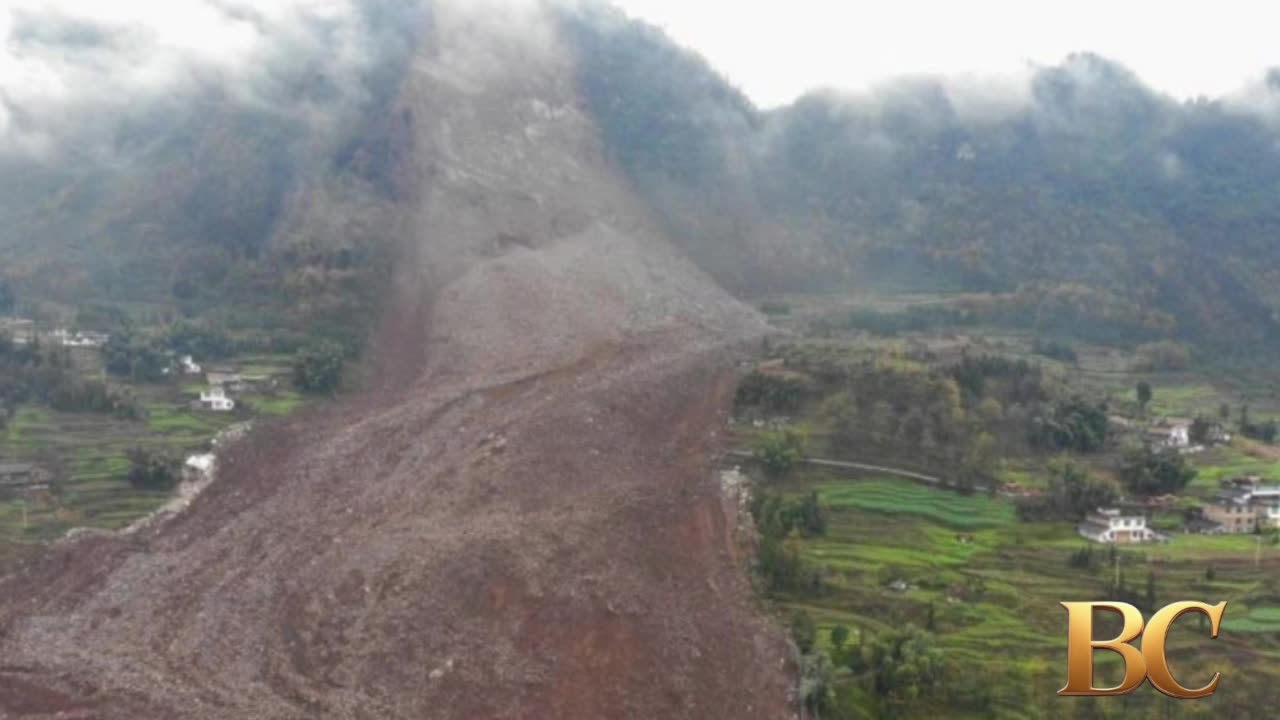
{"points": [[839, 636], [1147, 473], [905, 665], [1073, 425], [1144, 396], [1201, 431], [980, 462], [1210, 574], [1072, 493], [803, 631], [779, 451], [152, 471], [134, 357], [816, 690], [317, 367]]}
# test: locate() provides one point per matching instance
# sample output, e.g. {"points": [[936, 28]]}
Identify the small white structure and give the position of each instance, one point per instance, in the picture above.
{"points": [[200, 466], [216, 399], [78, 339], [189, 366], [1108, 525]]}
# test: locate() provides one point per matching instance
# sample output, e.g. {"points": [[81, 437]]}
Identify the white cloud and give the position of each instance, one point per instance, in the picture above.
{"points": [[775, 51], [63, 62]]}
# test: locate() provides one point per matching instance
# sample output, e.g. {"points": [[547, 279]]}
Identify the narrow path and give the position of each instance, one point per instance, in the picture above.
{"points": [[932, 480]]}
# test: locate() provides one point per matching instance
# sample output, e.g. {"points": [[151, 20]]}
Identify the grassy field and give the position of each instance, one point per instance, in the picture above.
{"points": [[992, 586]]}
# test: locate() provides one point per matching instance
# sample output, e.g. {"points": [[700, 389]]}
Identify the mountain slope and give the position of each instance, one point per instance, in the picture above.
{"points": [[522, 520], [1077, 194]]}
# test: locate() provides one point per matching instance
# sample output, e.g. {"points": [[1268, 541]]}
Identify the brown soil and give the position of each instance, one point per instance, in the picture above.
{"points": [[520, 519]]}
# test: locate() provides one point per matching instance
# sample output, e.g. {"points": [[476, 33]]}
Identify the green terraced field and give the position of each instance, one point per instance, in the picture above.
{"points": [[893, 497], [994, 585]]}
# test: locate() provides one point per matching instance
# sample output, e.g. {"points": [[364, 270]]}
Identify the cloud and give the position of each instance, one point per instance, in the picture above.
{"points": [[70, 70]]}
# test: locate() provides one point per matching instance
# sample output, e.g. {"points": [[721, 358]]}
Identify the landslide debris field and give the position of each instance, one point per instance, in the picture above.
{"points": [[520, 520]]}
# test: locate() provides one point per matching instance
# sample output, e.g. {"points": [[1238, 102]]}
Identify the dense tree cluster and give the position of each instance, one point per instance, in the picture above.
{"points": [[772, 392], [1147, 472], [1075, 424], [152, 471], [317, 368], [1072, 493]]}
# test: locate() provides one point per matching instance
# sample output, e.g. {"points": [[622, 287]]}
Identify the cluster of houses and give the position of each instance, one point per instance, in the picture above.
{"points": [[23, 331], [1244, 505], [1175, 434], [223, 385]]}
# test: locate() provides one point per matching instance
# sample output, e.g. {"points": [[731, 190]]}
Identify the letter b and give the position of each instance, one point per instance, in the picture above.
{"points": [[1080, 647]]}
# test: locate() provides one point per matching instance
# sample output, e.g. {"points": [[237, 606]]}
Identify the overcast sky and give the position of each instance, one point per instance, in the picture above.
{"points": [[775, 50]]}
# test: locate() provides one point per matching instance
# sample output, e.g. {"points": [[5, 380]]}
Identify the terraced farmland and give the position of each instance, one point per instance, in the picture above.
{"points": [[989, 586]]}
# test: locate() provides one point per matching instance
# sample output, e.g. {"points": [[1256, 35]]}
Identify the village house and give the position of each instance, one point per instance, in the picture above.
{"points": [[188, 365], [1245, 505], [78, 339], [1172, 433], [215, 399], [229, 381], [1109, 525]]}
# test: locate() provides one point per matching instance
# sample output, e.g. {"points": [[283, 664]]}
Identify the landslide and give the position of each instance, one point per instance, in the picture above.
{"points": [[517, 520]]}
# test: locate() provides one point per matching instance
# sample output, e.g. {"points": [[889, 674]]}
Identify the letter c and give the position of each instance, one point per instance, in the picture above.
{"points": [[1153, 648]]}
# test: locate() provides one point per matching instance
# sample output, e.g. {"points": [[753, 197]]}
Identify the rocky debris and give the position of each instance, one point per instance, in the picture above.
{"points": [[518, 521]]}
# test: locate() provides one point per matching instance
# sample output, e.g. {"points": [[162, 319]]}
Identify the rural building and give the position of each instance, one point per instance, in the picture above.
{"points": [[21, 475], [1109, 525], [229, 381], [215, 399], [78, 339], [1244, 506], [189, 366], [1173, 433]]}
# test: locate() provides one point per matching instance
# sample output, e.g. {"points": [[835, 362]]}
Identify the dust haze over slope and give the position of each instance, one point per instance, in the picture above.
{"points": [[523, 523]]}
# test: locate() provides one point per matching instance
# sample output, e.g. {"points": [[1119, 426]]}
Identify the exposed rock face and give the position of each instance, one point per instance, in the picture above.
{"points": [[520, 521]]}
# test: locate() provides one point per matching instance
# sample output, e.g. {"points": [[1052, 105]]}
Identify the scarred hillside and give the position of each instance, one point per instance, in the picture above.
{"points": [[519, 521]]}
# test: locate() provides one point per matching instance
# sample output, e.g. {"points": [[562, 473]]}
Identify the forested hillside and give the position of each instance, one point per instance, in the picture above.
{"points": [[251, 196], [1074, 198], [1077, 197]]}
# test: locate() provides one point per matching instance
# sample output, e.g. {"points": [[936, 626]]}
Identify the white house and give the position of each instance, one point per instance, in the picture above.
{"points": [[1171, 434], [216, 399], [189, 366], [1108, 525]]}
